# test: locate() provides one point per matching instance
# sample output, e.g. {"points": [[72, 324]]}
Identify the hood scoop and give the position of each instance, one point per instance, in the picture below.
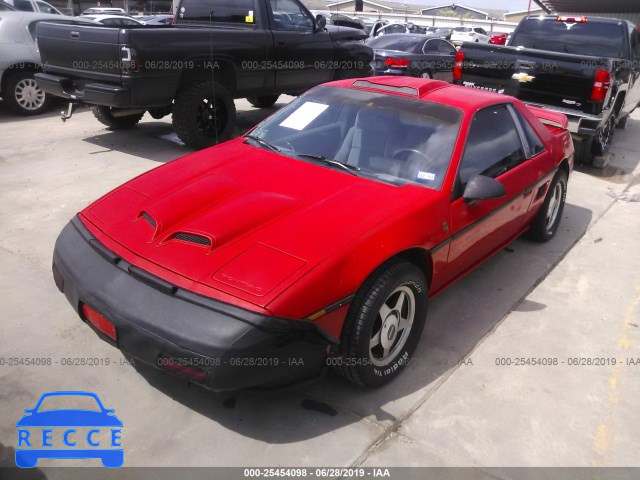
{"points": [[193, 238]]}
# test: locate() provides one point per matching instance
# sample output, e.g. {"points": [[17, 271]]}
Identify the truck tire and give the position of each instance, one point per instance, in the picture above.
{"points": [[204, 114], [622, 123], [584, 150], [602, 140], [264, 101], [23, 95], [105, 116]]}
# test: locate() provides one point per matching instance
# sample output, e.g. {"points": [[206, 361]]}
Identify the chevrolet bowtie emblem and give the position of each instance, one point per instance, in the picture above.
{"points": [[523, 77]]}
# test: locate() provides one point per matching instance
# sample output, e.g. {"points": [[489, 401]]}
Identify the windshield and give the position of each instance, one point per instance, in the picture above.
{"points": [[590, 38], [462, 29], [403, 43], [385, 137]]}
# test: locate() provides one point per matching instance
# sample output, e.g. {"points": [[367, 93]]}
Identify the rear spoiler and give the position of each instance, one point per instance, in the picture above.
{"points": [[548, 117]]}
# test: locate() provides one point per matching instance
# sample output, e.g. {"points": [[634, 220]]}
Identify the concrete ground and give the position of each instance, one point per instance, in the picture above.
{"points": [[573, 299]]}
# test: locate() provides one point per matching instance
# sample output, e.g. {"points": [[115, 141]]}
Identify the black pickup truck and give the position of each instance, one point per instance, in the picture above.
{"points": [[214, 52], [586, 68]]}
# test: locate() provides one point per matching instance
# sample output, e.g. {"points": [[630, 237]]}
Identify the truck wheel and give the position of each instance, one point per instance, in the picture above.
{"points": [[105, 117], [602, 140], [204, 114], [545, 224], [383, 326], [263, 102], [622, 123], [24, 96]]}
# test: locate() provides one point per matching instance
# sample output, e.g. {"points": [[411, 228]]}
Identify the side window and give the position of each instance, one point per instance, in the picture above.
{"points": [[220, 11], [44, 8], [446, 48], [493, 145], [24, 5], [112, 22], [534, 144], [430, 47], [289, 15]]}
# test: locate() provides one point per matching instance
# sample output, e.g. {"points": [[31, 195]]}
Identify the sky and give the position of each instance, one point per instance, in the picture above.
{"points": [[511, 5]]}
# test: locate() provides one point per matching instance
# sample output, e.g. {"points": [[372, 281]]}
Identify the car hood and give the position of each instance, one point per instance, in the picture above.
{"points": [[69, 418], [346, 33], [244, 220]]}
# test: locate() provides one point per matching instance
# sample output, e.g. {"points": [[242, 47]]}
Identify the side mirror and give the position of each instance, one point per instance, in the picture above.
{"points": [[480, 187], [321, 23]]}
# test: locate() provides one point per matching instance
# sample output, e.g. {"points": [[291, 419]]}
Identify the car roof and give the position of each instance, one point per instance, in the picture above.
{"points": [[99, 16], [20, 15], [438, 91]]}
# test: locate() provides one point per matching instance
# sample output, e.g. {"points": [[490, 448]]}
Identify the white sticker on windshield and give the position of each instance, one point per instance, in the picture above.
{"points": [[304, 115], [426, 176]]}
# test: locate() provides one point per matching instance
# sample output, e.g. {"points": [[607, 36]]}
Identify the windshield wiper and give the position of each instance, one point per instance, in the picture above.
{"points": [[263, 143], [330, 161]]}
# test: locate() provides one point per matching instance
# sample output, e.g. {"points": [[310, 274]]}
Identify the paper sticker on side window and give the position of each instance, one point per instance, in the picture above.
{"points": [[304, 115]]}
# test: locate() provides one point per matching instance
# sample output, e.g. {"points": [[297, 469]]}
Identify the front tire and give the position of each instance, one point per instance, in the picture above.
{"points": [[546, 223], [383, 326], [105, 116], [264, 101], [204, 114], [23, 95]]}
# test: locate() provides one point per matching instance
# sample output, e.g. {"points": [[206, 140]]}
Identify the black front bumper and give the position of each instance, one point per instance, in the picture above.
{"points": [[231, 347]]}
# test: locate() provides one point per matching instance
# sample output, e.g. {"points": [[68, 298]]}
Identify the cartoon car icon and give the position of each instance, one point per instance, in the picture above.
{"points": [[69, 418]]}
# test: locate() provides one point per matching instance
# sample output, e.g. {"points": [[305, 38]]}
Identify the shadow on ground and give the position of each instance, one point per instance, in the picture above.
{"points": [[156, 139]]}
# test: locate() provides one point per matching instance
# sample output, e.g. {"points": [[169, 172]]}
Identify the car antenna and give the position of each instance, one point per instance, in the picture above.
{"points": [[213, 83]]}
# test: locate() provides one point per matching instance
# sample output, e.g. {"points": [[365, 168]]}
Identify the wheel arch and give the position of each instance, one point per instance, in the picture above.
{"points": [[27, 66], [219, 69]]}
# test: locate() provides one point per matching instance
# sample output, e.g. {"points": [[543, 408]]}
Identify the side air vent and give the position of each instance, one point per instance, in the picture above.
{"points": [[192, 238], [149, 219]]}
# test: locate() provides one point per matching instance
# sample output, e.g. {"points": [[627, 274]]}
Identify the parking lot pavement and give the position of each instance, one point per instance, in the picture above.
{"points": [[574, 298]]}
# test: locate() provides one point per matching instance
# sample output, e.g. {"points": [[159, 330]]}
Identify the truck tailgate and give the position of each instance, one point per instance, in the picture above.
{"points": [[536, 76], [84, 51]]}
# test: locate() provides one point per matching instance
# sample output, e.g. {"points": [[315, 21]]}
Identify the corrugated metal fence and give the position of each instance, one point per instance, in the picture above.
{"points": [[428, 20]]}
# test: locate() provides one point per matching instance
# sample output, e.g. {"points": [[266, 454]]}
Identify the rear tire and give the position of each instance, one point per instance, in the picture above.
{"points": [[426, 74], [23, 95], [264, 101], [204, 114], [546, 223], [622, 123], [602, 140], [105, 116], [383, 326]]}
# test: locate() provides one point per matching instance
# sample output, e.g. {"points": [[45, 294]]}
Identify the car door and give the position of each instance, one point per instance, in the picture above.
{"points": [[494, 148], [446, 57], [303, 56], [483, 36]]}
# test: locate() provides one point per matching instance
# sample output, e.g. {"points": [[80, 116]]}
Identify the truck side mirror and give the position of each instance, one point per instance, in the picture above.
{"points": [[480, 187], [321, 23]]}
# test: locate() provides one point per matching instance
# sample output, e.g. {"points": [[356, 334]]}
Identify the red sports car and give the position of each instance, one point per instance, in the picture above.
{"points": [[317, 238]]}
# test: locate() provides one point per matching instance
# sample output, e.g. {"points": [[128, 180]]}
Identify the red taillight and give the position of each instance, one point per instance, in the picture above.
{"points": [[101, 323], [176, 366], [572, 19], [397, 62], [129, 60], [457, 66], [601, 86]]}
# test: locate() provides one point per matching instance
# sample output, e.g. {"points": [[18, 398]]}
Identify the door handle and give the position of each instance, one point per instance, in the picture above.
{"points": [[75, 34]]}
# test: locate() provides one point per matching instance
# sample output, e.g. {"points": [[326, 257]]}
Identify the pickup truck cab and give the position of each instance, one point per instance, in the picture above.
{"points": [[215, 52], [584, 67]]}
